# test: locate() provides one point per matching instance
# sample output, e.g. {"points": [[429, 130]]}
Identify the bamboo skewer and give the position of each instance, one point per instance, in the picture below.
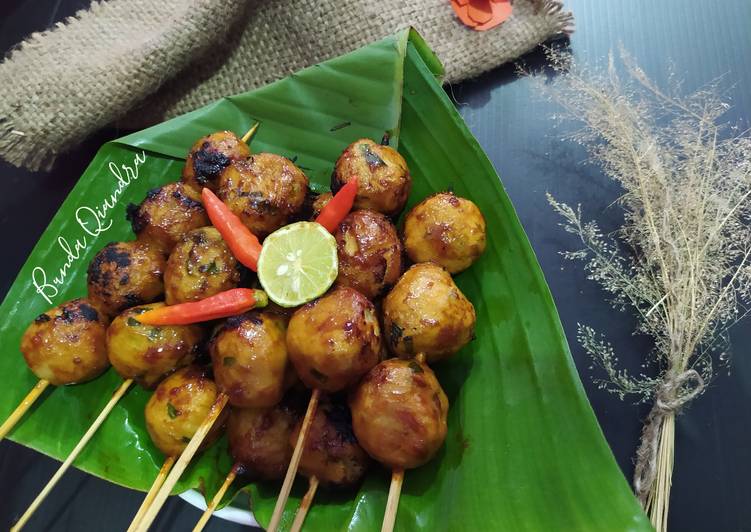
{"points": [[281, 501], [392, 504], [158, 481], [307, 500], [181, 464], [251, 133], [73, 454], [23, 406], [216, 500]]}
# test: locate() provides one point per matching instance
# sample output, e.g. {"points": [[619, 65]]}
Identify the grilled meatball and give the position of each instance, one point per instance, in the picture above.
{"points": [[249, 356], [399, 413], [445, 229], [177, 408], [370, 253], [334, 340], [427, 313], [125, 274], [65, 345], [200, 266], [259, 439], [383, 180], [166, 214], [209, 156], [148, 353], [331, 452], [265, 191]]}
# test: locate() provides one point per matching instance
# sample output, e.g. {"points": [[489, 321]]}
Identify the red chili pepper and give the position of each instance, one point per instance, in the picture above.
{"points": [[222, 305], [337, 209], [244, 245]]}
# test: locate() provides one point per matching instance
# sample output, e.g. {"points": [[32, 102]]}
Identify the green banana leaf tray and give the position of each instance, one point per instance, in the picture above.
{"points": [[524, 450]]}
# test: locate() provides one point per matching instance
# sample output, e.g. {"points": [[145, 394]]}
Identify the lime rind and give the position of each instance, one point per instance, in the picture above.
{"points": [[298, 263]]}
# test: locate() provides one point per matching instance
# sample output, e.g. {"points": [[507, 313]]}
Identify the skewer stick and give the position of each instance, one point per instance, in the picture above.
{"points": [[251, 133], [23, 406], [392, 504], [307, 500], [215, 501], [181, 464], [276, 517], [73, 454], [158, 481]]}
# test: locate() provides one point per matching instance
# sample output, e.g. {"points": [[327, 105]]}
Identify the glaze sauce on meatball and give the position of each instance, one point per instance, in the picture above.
{"points": [[334, 340], [66, 344], [370, 253], [267, 191], [200, 265], [209, 156], [383, 180], [178, 407], [331, 452], [166, 214], [445, 229], [249, 356], [399, 413], [148, 353], [427, 313], [125, 274]]}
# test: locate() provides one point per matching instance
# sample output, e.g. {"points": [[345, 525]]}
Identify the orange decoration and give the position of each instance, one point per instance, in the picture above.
{"points": [[482, 15]]}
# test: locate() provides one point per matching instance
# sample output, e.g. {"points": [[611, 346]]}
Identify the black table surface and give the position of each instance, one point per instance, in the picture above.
{"points": [[700, 40]]}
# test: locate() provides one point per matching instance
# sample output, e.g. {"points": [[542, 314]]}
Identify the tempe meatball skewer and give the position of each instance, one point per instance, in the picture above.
{"points": [[138, 353], [259, 444], [332, 342], [174, 412], [249, 358], [65, 345], [331, 457], [399, 415], [399, 410]]}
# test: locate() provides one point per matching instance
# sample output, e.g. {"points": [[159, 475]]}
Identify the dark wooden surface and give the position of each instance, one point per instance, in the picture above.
{"points": [[701, 40]]}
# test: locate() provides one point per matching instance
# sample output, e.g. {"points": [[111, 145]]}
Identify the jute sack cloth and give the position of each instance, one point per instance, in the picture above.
{"points": [[138, 62]]}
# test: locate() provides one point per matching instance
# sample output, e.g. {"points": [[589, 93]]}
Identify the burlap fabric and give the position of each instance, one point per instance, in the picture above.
{"points": [[141, 61]]}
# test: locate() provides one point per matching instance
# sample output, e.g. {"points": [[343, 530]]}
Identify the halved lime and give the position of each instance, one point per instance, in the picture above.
{"points": [[298, 263]]}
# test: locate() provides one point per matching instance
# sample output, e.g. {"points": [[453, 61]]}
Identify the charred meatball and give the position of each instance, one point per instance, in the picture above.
{"points": [[370, 253], [125, 274], [66, 344], [334, 340], [259, 439], [249, 356], [147, 353], [447, 230], [427, 313], [166, 214], [209, 156], [383, 180], [331, 452], [399, 413], [266, 191], [200, 266], [178, 406]]}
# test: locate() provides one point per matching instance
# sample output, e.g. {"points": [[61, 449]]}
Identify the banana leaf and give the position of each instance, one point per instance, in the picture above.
{"points": [[524, 450]]}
